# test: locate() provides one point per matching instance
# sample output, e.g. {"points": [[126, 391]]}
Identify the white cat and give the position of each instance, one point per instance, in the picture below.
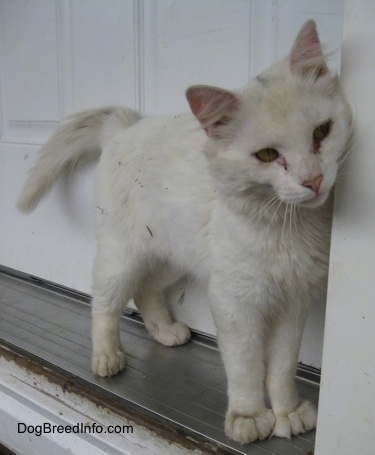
{"points": [[239, 195]]}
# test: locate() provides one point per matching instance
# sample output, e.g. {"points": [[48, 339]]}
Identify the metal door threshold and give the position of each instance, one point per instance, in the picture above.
{"points": [[185, 386]]}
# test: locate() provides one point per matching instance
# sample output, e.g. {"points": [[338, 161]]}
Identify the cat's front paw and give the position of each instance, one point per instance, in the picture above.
{"points": [[170, 334], [108, 363], [300, 420], [246, 428]]}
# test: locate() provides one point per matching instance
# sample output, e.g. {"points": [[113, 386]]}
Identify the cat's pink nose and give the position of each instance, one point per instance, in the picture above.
{"points": [[313, 183]]}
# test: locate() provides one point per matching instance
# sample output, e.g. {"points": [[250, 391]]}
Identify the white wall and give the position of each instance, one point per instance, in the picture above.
{"points": [[346, 420], [60, 56]]}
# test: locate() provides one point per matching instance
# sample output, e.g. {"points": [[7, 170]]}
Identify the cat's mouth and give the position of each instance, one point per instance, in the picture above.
{"points": [[308, 201], [315, 201]]}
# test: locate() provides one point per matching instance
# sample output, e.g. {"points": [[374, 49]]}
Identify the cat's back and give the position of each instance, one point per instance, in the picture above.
{"points": [[155, 174], [161, 136], [157, 144]]}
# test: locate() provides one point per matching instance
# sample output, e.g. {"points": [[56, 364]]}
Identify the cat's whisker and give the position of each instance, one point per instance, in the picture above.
{"points": [[291, 219], [262, 213], [274, 214], [256, 218], [269, 203], [284, 221], [297, 208], [343, 158], [340, 177], [349, 147]]}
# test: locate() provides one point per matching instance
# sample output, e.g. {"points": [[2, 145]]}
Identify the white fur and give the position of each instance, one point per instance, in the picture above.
{"points": [[176, 200]]}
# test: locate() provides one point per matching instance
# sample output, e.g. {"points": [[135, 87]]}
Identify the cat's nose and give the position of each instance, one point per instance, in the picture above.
{"points": [[313, 183]]}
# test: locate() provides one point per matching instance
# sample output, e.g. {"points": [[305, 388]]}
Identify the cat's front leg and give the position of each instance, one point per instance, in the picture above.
{"points": [[241, 330], [293, 414]]}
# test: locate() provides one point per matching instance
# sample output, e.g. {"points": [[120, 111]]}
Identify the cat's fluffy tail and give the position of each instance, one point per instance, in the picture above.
{"points": [[78, 141]]}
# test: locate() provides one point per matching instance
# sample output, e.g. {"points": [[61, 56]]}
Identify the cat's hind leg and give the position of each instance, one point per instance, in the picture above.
{"points": [[116, 277], [151, 303], [293, 414]]}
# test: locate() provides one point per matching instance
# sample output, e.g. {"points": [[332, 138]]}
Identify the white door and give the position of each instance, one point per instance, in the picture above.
{"points": [[61, 56]]}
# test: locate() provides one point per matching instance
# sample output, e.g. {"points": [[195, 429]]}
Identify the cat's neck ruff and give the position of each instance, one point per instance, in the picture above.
{"points": [[267, 213]]}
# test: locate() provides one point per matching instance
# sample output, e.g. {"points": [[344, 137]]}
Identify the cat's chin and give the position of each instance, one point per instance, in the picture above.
{"points": [[312, 202], [315, 202]]}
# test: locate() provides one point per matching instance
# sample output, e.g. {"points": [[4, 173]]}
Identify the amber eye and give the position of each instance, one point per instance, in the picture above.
{"points": [[267, 155], [322, 131]]}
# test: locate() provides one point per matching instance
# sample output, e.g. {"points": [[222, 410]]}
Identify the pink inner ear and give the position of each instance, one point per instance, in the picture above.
{"points": [[213, 107], [306, 55]]}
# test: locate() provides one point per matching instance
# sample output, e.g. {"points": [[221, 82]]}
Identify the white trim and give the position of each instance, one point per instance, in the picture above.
{"points": [[346, 418], [31, 399]]}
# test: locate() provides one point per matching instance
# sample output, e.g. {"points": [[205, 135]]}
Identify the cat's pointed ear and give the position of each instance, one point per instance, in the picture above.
{"points": [[215, 109], [306, 57]]}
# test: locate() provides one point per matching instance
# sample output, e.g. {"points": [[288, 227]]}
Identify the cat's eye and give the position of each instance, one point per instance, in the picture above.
{"points": [[322, 131], [267, 155]]}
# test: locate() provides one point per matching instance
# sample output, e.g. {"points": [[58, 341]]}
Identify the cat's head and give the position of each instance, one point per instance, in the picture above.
{"points": [[284, 134]]}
